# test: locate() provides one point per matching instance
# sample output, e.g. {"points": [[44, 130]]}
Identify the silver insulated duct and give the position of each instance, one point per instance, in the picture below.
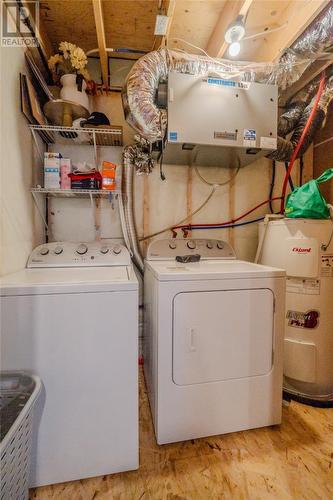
{"points": [[139, 93]]}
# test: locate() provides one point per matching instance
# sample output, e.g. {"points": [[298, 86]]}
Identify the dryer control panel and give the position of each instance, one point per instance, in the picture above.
{"points": [[206, 248], [71, 254]]}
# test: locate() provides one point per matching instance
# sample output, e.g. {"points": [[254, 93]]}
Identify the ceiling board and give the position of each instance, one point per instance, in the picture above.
{"points": [[70, 21], [194, 21], [130, 23]]}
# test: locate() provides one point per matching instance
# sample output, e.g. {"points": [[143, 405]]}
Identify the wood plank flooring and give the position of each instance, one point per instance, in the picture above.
{"points": [[290, 461]]}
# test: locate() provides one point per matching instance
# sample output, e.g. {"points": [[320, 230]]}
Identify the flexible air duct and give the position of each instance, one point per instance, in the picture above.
{"points": [[139, 94]]}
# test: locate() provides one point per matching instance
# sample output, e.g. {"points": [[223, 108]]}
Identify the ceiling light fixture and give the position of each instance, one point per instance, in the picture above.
{"points": [[236, 30], [234, 49]]}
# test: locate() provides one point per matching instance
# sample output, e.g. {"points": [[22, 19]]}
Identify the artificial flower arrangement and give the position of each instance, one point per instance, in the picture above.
{"points": [[70, 59]]}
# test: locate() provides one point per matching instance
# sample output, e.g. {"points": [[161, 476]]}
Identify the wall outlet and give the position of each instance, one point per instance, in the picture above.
{"points": [[161, 25]]}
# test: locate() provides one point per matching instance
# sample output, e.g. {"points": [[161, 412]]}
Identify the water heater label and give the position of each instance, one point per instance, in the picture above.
{"points": [[303, 286], [327, 266], [299, 319], [173, 136]]}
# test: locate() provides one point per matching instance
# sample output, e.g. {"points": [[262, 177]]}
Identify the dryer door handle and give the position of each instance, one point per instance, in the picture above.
{"points": [[191, 339]]}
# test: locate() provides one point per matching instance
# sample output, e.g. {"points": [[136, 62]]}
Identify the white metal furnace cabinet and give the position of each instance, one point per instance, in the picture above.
{"points": [[213, 340], [77, 328]]}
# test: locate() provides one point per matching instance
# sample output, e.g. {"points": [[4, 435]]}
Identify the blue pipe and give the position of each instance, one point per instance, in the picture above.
{"points": [[227, 226]]}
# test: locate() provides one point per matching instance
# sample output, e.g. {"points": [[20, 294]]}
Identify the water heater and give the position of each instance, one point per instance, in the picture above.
{"points": [[304, 248]]}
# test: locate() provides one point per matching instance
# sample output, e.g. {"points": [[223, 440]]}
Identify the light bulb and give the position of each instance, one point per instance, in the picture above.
{"points": [[234, 49]]}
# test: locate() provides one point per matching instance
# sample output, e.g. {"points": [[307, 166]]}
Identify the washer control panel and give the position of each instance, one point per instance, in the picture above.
{"points": [[207, 249], [70, 254]]}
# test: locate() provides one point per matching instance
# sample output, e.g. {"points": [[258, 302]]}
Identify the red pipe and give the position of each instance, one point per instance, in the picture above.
{"points": [[300, 142], [232, 221]]}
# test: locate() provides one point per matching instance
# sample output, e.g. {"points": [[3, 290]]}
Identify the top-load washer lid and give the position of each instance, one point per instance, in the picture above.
{"points": [[216, 260], [69, 280], [58, 267]]}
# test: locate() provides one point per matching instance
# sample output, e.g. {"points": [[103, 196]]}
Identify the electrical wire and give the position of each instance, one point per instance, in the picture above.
{"points": [[169, 228], [201, 177], [291, 184], [300, 142], [272, 186], [214, 186], [232, 221]]}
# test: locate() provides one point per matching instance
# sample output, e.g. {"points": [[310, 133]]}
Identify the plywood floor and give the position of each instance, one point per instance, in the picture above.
{"points": [[291, 461]]}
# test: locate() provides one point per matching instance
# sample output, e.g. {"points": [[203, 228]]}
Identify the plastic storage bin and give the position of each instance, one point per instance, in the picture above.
{"points": [[19, 392]]}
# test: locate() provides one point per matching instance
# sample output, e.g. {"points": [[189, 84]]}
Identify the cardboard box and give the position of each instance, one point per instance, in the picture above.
{"points": [[65, 169]]}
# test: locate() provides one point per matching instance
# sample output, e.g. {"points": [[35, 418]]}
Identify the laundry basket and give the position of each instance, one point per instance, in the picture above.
{"points": [[19, 392]]}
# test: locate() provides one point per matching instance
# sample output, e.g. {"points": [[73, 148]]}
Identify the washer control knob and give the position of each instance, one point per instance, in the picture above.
{"points": [[82, 249], [58, 250], [209, 245], [116, 249], [104, 249], [172, 245], [191, 245], [44, 251], [220, 245]]}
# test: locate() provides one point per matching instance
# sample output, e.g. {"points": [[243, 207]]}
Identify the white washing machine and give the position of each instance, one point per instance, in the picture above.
{"points": [[72, 318], [213, 340]]}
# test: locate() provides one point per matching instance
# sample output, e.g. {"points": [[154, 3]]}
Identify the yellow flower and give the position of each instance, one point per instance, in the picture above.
{"points": [[54, 60], [66, 48]]}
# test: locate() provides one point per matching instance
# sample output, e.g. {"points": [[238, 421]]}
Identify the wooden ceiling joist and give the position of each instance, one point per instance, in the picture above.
{"points": [[217, 46], [99, 22]]}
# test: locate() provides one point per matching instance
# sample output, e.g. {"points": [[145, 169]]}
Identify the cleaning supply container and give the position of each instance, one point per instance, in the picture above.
{"points": [[19, 393]]}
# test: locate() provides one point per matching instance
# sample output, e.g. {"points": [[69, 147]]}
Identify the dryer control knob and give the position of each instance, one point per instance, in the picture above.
{"points": [[116, 249], [82, 249], [58, 250], [44, 251], [220, 245], [191, 245], [104, 249], [172, 245], [209, 245]]}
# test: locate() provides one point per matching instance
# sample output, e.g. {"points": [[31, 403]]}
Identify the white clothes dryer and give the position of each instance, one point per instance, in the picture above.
{"points": [[213, 341], [72, 318]]}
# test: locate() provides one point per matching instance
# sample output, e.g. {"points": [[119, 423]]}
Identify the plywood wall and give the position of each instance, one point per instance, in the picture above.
{"points": [[160, 204]]}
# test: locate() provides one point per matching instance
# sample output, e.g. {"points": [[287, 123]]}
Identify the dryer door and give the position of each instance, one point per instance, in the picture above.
{"points": [[220, 335]]}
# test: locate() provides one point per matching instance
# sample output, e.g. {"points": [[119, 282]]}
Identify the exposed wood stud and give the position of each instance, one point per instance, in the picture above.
{"points": [[99, 22], [189, 195], [217, 45], [145, 212]]}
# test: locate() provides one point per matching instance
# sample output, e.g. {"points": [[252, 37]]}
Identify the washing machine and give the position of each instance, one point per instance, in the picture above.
{"points": [[213, 341], [72, 318]]}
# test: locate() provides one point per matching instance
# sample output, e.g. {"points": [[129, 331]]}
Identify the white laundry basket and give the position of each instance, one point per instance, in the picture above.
{"points": [[19, 392]]}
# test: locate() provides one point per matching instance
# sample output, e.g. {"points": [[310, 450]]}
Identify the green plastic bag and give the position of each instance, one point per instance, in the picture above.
{"points": [[307, 202]]}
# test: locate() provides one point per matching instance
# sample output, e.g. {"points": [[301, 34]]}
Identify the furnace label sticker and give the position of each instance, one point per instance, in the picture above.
{"points": [[173, 136], [227, 83], [229, 136], [249, 138], [268, 142]]}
